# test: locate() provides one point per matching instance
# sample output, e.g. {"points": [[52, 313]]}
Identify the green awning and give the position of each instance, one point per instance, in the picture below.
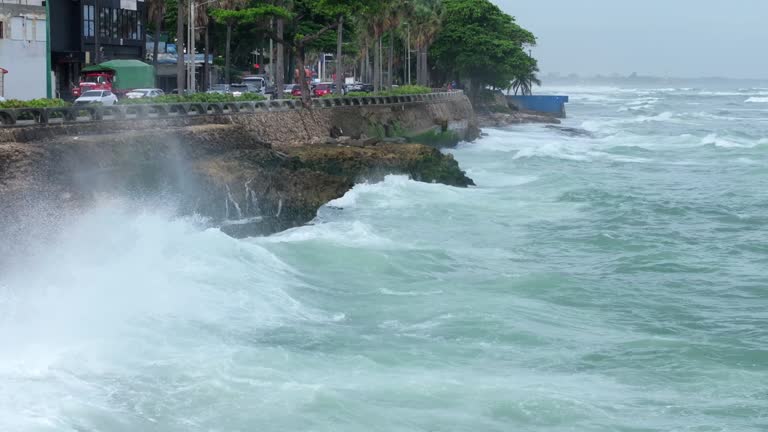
{"points": [[129, 73]]}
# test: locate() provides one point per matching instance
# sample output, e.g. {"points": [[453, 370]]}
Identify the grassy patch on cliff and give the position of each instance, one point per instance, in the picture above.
{"points": [[420, 162], [436, 138]]}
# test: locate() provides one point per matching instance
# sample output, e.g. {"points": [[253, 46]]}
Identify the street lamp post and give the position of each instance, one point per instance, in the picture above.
{"points": [[191, 45]]}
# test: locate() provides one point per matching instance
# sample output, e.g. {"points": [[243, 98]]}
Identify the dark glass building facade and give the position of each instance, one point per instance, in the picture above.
{"points": [[87, 32]]}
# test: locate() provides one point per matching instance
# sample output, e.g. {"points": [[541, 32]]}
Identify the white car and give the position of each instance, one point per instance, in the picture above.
{"points": [[105, 97], [144, 93], [2, 99]]}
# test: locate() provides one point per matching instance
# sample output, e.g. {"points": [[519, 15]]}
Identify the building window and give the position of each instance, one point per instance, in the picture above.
{"points": [[89, 25], [115, 23], [104, 22], [17, 28], [40, 30]]}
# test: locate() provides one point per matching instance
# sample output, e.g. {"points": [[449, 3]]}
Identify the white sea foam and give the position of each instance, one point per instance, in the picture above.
{"points": [[342, 233], [134, 294], [756, 99], [717, 141]]}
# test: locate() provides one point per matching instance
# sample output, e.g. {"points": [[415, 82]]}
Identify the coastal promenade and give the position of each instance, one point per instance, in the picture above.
{"points": [[98, 113]]}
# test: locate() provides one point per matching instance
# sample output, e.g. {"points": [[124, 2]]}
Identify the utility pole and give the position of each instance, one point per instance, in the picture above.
{"points": [[409, 54], [191, 46], [48, 89]]}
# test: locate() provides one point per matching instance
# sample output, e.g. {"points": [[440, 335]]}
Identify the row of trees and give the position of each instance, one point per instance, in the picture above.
{"points": [[469, 41]]}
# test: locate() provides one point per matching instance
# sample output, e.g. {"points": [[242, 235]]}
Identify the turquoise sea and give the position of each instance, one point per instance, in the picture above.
{"points": [[610, 281]]}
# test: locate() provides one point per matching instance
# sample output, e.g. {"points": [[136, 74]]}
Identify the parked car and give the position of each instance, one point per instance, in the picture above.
{"points": [[219, 89], [104, 97], [360, 87], [238, 89], [296, 91], [323, 89], [259, 84], [288, 89], [185, 92], [144, 93]]}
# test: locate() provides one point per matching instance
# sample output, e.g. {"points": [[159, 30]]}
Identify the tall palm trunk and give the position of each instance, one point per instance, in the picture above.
{"points": [[339, 59], [279, 63], [380, 53], [425, 65], [419, 69], [405, 61], [226, 53], [377, 65], [206, 67], [180, 84], [156, 48], [362, 65], [390, 55]]}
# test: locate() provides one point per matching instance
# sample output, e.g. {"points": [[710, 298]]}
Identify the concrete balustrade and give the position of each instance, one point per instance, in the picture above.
{"points": [[94, 113]]}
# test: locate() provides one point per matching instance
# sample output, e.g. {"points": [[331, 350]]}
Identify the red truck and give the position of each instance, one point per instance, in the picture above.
{"points": [[117, 76]]}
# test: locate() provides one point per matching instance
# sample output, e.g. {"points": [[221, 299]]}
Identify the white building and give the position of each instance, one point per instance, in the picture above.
{"points": [[23, 49]]}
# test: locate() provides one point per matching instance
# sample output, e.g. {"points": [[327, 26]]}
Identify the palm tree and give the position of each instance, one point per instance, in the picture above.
{"points": [[377, 25], [339, 58], [363, 31], [428, 17], [407, 15], [203, 20], [156, 13], [180, 75], [392, 18], [524, 80], [230, 22]]}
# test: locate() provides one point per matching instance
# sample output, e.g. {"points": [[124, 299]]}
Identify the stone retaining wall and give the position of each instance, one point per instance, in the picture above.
{"points": [[282, 123], [95, 113]]}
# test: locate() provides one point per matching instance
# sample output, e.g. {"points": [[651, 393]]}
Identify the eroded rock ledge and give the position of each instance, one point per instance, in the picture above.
{"points": [[220, 171]]}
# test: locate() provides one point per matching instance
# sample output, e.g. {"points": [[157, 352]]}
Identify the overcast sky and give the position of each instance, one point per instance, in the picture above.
{"points": [[678, 38]]}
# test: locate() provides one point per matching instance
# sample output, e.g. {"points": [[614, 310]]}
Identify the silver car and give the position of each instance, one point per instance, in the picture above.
{"points": [[104, 97], [144, 93]]}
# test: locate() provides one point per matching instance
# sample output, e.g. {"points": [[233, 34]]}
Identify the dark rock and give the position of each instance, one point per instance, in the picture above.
{"points": [[571, 131], [336, 132], [496, 119]]}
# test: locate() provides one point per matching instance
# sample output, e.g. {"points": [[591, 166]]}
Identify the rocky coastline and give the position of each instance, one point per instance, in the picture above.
{"points": [[247, 176]]}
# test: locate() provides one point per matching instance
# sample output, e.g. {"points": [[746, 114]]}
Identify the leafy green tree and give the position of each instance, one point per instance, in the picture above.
{"points": [[229, 14], [311, 21], [481, 43]]}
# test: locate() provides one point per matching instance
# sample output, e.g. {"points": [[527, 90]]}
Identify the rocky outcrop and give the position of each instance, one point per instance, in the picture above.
{"points": [[501, 119], [250, 174], [224, 172], [493, 110]]}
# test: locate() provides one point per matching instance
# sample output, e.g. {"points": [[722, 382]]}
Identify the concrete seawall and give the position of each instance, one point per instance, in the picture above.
{"points": [[280, 123]]}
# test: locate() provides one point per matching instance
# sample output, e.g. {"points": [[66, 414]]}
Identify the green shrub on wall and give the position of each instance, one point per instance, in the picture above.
{"points": [[195, 97], [34, 103], [398, 91]]}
